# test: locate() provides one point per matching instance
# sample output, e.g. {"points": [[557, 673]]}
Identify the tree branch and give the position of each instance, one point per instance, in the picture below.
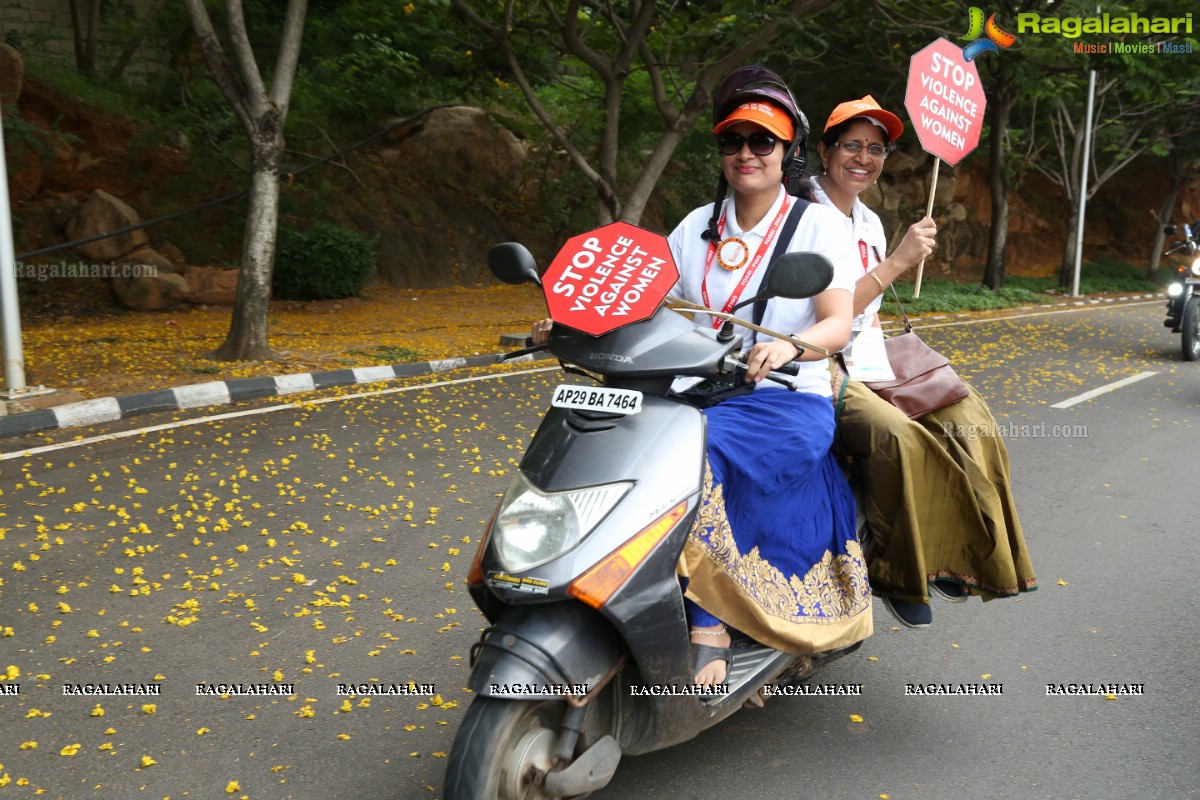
{"points": [[289, 55], [218, 65], [243, 58]]}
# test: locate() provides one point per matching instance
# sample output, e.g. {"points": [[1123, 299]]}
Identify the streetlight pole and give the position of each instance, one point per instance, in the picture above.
{"points": [[10, 313]]}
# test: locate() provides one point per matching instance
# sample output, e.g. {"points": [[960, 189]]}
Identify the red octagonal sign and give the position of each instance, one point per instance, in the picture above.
{"points": [[945, 100], [608, 278]]}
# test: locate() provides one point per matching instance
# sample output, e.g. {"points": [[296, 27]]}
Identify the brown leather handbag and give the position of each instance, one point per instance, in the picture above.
{"points": [[924, 382]]}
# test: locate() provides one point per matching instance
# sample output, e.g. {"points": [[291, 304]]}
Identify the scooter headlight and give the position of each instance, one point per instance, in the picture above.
{"points": [[1174, 290], [533, 527], [1196, 268]]}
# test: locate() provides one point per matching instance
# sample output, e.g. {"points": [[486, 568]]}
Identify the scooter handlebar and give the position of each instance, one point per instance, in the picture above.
{"points": [[792, 368]]}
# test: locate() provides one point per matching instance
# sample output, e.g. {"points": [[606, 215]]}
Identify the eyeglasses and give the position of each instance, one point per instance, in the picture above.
{"points": [[761, 144], [853, 148]]}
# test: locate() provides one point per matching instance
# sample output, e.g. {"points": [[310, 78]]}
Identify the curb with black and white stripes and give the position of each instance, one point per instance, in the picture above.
{"points": [[198, 395]]}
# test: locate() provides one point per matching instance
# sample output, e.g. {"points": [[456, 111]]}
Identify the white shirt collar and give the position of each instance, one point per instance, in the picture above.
{"points": [[760, 228]]}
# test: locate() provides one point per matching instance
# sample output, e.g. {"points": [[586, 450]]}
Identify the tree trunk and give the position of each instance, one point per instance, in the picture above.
{"points": [[127, 53], [1066, 274], [262, 114], [93, 31], [247, 339], [994, 273], [1163, 217]]}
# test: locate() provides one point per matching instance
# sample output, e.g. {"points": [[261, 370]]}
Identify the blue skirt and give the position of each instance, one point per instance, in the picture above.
{"points": [[773, 551]]}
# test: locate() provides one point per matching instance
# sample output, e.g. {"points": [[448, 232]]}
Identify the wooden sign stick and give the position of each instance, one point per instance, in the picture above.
{"points": [[937, 162]]}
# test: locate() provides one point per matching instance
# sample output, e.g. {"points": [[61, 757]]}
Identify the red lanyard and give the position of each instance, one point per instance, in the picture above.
{"points": [[862, 252], [762, 249]]}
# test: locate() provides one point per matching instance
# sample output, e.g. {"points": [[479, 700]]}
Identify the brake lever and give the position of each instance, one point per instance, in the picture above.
{"points": [[529, 347], [791, 368]]}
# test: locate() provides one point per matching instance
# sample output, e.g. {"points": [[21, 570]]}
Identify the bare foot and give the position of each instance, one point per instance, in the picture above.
{"points": [[712, 673]]}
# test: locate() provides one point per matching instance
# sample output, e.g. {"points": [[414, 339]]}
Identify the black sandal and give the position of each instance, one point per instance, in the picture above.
{"points": [[706, 654]]}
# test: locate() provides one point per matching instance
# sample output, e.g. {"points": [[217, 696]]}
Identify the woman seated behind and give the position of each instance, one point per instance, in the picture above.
{"points": [[938, 498]]}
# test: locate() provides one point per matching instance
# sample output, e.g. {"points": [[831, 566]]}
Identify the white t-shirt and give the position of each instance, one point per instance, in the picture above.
{"points": [[864, 231], [820, 230]]}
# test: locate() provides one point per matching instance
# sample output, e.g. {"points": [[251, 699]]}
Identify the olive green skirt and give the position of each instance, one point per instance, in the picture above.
{"points": [[938, 497]]}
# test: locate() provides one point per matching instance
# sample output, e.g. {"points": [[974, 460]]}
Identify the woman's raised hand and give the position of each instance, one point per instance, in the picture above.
{"points": [[918, 243]]}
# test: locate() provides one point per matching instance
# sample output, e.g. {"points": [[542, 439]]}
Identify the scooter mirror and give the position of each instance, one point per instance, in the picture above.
{"points": [[1170, 230], [798, 275], [513, 263]]}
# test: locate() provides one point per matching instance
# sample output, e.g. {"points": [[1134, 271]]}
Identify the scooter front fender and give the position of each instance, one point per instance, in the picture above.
{"points": [[544, 646]]}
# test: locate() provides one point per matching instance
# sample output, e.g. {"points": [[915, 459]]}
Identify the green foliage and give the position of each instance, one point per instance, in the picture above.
{"points": [[363, 60], [324, 262], [941, 296]]}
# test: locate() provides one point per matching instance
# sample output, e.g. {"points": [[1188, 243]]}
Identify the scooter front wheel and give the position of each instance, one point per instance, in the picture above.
{"points": [[1190, 327], [503, 750]]}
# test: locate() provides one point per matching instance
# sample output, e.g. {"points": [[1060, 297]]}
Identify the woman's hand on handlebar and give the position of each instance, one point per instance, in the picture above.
{"points": [[541, 331], [766, 356]]}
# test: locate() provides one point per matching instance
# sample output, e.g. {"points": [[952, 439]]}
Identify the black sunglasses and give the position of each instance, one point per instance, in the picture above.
{"points": [[761, 144]]}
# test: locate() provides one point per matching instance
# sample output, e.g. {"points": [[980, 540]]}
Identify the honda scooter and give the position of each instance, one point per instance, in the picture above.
{"points": [[588, 640]]}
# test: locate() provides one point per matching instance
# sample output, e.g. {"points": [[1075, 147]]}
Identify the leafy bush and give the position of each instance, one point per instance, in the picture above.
{"points": [[324, 262], [939, 295]]}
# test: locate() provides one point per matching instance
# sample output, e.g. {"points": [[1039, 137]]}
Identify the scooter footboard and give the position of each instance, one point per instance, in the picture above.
{"points": [[545, 650]]}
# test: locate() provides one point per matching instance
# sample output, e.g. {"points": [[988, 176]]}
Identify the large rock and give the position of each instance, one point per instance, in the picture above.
{"points": [[102, 213], [150, 260], [211, 286], [461, 146], [151, 293], [463, 176], [12, 75]]}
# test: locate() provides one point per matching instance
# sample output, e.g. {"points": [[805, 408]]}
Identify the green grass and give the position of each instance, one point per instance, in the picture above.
{"points": [[388, 354], [940, 295]]}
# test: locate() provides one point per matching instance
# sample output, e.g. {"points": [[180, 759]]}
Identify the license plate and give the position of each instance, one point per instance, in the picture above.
{"points": [[597, 398]]}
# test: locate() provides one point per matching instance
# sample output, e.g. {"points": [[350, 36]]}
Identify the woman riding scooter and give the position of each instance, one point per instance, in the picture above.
{"points": [[773, 552]]}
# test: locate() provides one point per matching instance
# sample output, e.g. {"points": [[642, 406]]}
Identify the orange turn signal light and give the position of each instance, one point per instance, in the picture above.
{"points": [[475, 576], [599, 583]]}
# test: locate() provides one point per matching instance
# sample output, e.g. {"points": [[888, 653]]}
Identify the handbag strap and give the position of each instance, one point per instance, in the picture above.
{"points": [[785, 237], [907, 325]]}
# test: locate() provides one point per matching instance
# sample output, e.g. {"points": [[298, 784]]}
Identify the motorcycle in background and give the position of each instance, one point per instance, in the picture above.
{"points": [[1183, 294]]}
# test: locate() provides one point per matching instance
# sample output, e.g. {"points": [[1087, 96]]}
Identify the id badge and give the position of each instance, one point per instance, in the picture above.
{"points": [[866, 358]]}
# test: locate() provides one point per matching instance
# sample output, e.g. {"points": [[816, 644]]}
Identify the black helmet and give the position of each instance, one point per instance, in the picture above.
{"points": [[753, 82]]}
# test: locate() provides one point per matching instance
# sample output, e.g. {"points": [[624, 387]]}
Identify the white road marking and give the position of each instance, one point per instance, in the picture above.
{"points": [[917, 321], [1141, 376]]}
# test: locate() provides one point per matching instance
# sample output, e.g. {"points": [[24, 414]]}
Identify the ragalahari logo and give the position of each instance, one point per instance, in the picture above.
{"points": [[996, 38]]}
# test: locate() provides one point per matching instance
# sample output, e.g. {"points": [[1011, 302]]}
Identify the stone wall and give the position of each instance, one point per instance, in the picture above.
{"points": [[44, 27]]}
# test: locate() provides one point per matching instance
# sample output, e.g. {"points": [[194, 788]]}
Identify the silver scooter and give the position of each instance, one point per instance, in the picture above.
{"points": [[576, 573]]}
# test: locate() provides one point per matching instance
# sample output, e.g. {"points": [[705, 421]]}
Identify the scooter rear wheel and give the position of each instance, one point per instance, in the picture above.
{"points": [[501, 748], [1190, 328]]}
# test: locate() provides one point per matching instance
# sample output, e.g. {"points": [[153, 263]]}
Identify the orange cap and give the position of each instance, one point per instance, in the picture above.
{"points": [[867, 107], [763, 114]]}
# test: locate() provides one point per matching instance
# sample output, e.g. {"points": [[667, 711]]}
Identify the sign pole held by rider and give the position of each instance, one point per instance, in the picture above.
{"points": [[945, 101]]}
